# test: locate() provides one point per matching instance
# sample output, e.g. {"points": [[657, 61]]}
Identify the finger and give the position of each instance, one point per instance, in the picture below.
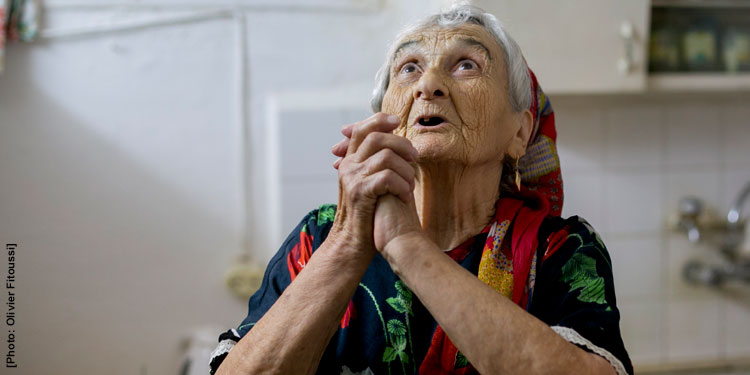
{"points": [[339, 149], [388, 159], [379, 122], [378, 141], [389, 182], [346, 130], [337, 163]]}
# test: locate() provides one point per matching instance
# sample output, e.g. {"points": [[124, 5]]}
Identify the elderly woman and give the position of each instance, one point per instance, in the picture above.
{"points": [[446, 253]]}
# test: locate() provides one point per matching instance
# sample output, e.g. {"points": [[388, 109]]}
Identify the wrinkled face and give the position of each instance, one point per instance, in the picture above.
{"points": [[449, 88]]}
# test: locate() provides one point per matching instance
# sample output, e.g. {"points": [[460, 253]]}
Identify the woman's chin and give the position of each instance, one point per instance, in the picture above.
{"points": [[435, 149]]}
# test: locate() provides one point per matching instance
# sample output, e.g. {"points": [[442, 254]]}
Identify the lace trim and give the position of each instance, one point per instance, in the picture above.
{"points": [[224, 346], [574, 337]]}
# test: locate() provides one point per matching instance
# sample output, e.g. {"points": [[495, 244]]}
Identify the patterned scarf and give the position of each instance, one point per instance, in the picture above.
{"points": [[508, 265]]}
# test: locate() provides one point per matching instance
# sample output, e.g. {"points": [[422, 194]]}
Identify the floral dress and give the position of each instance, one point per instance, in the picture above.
{"points": [[387, 330]]}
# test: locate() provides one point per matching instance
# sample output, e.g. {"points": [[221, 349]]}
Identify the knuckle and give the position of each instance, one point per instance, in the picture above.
{"points": [[387, 156], [375, 138], [382, 159], [380, 117], [389, 176], [355, 187]]}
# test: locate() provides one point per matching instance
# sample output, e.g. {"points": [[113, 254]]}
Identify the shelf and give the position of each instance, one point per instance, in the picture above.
{"points": [[700, 3], [695, 82]]}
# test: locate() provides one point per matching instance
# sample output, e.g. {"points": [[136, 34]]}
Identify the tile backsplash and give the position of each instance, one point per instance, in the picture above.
{"points": [[627, 160]]}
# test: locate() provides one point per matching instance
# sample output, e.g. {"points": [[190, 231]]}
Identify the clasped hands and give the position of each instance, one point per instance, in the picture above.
{"points": [[376, 171]]}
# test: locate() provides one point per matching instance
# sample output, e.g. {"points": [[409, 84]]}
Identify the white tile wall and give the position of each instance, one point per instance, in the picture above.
{"points": [[633, 137], [636, 264], [580, 138], [642, 322], [738, 323], [693, 134], [736, 142], [584, 192], [694, 329], [632, 202], [627, 160]]}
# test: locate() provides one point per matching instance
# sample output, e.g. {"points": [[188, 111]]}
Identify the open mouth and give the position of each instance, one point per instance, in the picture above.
{"points": [[431, 120]]}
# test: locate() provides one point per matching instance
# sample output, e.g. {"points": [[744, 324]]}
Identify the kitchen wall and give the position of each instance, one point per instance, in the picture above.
{"points": [[122, 165], [123, 179], [627, 160]]}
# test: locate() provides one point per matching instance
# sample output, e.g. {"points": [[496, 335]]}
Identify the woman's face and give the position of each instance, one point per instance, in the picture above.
{"points": [[449, 88]]}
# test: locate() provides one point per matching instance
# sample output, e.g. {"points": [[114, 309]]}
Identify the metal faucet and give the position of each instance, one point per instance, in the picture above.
{"points": [[733, 266], [733, 217], [690, 208], [734, 233]]}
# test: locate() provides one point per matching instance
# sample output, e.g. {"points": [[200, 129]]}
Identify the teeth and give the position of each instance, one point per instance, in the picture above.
{"points": [[431, 121]]}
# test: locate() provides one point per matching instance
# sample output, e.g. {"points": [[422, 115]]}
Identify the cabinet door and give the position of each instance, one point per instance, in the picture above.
{"points": [[580, 46]]}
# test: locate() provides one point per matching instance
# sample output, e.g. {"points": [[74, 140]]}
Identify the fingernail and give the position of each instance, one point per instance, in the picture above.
{"points": [[393, 119], [415, 153]]}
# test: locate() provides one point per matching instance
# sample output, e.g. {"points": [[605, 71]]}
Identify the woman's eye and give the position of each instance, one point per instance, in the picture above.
{"points": [[467, 65], [409, 68]]}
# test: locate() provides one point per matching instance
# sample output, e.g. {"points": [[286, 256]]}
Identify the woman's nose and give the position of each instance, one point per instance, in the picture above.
{"points": [[430, 86]]}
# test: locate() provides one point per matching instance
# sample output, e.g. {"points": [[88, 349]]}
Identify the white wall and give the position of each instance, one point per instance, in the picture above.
{"points": [[121, 165], [627, 160], [122, 168], [121, 186]]}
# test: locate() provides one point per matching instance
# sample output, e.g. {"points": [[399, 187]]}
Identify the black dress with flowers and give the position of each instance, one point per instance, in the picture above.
{"points": [[386, 330]]}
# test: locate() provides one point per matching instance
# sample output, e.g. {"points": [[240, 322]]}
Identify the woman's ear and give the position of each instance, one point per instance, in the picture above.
{"points": [[521, 138]]}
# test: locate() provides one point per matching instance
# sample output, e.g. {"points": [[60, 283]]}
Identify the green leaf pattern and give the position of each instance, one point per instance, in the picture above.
{"points": [[389, 354], [397, 330], [395, 327], [461, 361], [580, 273], [326, 214], [397, 304]]}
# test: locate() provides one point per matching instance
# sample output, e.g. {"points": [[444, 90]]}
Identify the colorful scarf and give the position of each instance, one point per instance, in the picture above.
{"points": [[509, 265]]}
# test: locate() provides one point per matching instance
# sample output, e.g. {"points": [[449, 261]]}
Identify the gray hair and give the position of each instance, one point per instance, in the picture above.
{"points": [[519, 82]]}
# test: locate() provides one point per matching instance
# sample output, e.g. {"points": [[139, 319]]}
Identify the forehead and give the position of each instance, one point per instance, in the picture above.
{"points": [[438, 39]]}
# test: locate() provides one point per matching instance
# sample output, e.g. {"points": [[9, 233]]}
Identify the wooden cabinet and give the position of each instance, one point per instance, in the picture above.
{"points": [[580, 46]]}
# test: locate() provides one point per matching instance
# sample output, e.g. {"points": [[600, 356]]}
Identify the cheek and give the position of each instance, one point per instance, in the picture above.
{"points": [[476, 107], [486, 130], [397, 101]]}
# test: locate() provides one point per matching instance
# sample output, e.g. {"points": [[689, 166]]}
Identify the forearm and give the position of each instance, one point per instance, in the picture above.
{"points": [[494, 334], [292, 336]]}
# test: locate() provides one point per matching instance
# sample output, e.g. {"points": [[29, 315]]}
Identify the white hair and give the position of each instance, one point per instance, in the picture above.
{"points": [[519, 81]]}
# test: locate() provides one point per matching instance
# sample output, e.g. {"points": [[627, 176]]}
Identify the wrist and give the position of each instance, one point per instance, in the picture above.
{"points": [[405, 248], [345, 244]]}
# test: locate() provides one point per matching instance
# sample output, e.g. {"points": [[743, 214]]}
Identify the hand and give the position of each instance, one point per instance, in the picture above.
{"points": [[394, 219], [372, 163], [393, 216]]}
